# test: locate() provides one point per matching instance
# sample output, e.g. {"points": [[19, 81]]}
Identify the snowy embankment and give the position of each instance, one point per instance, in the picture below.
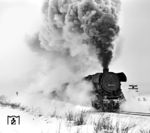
{"points": [[82, 122]]}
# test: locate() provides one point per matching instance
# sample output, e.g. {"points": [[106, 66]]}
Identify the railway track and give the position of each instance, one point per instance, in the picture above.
{"points": [[123, 113], [17, 106], [135, 113]]}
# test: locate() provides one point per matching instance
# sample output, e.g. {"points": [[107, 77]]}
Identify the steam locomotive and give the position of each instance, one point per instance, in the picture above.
{"points": [[107, 90]]}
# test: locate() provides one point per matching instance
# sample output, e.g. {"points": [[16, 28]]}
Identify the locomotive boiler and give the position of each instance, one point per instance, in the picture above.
{"points": [[107, 90]]}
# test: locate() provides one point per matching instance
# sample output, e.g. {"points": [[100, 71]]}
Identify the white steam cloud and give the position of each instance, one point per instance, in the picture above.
{"points": [[66, 53], [135, 101]]}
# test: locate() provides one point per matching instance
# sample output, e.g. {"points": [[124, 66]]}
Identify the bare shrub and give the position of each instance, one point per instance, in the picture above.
{"points": [[144, 131], [76, 118], [79, 119], [105, 125], [70, 116], [126, 127]]}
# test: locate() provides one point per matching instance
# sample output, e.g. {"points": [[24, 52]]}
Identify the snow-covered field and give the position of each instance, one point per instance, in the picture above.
{"points": [[81, 122], [48, 46]]}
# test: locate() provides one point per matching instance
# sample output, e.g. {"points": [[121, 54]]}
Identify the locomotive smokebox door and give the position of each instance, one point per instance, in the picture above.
{"points": [[110, 82]]}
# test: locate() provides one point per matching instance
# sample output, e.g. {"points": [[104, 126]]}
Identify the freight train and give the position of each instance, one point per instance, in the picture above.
{"points": [[107, 90]]}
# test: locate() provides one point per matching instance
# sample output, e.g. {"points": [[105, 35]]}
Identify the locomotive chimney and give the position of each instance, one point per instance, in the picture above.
{"points": [[105, 70]]}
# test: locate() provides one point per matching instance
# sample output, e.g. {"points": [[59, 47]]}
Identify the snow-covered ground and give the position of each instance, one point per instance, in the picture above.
{"points": [[92, 122]]}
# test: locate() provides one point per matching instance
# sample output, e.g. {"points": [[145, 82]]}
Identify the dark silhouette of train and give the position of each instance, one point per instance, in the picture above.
{"points": [[107, 90]]}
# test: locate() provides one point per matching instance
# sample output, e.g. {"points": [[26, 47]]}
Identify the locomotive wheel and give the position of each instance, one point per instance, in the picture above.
{"points": [[97, 105], [110, 107], [107, 107]]}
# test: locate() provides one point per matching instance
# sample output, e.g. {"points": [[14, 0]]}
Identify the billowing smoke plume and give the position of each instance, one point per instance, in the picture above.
{"points": [[74, 25], [74, 33]]}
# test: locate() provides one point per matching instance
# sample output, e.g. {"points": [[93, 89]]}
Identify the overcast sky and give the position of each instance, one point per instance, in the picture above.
{"points": [[135, 33], [16, 58], [17, 18]]}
